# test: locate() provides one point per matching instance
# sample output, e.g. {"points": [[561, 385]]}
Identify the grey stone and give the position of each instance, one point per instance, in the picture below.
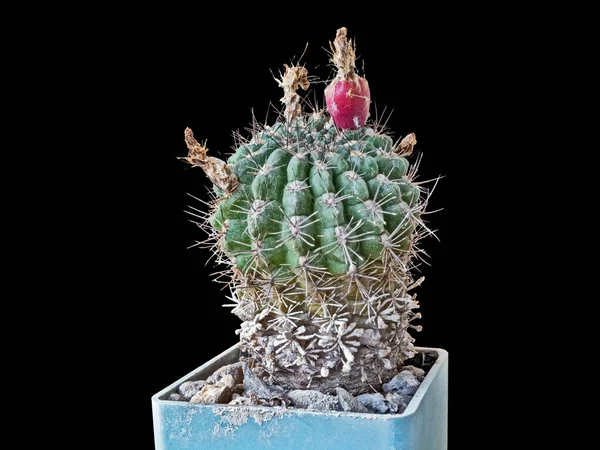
{"points": [[191, 388], [397, 402], [416, 371], [227, 381], [259, 388], [348, 402], [375, 403], [314, 400], [404, 383], [175, 397], [235, 370], [238, 400], [216, 393]]}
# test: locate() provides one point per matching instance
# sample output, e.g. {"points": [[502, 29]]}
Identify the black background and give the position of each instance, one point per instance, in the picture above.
{"points": [[161, 313]]}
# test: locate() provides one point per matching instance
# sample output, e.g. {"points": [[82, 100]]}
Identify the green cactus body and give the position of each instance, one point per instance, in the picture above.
{"points": [[318, 219], [319, 236]]}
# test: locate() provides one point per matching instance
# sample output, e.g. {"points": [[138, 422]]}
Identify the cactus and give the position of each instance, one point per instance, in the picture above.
{"points": [[317, 220]]}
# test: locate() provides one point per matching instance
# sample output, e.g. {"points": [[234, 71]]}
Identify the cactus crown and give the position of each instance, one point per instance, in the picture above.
{"points": [[318, 227]]}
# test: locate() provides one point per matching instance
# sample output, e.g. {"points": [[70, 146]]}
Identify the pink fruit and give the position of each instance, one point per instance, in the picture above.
{"points": [[348, 102], [347, 96]]}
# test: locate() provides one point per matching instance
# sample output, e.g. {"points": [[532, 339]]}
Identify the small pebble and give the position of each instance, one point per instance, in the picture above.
{"points": [[235, 370], [216, 393], [348, 402], [242, 401], [314, 400], [416, 371], [374, 403], [397, 402], [175, 397], [191, 388], [403, 383]]}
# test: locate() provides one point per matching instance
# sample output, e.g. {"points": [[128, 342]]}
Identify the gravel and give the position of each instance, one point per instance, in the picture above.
{"points": [[405, 383], [314, 400], [216, 393], [397, 403], [190, 388], [235, 370], [175, 397], [375, 403], [348, 402]]}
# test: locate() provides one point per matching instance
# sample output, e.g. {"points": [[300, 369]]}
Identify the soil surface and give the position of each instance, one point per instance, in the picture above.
{"points": [[237, 384]]}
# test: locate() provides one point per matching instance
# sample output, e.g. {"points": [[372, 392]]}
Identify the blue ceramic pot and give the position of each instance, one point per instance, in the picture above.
{"points": [[182, 425]]}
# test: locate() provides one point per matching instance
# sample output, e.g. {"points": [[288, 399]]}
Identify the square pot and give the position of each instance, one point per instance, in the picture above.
{"points": [[182, 425]]}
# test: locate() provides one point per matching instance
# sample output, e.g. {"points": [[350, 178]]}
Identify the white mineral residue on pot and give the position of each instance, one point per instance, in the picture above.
{"points": [[183, 425], [233, 417]]}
